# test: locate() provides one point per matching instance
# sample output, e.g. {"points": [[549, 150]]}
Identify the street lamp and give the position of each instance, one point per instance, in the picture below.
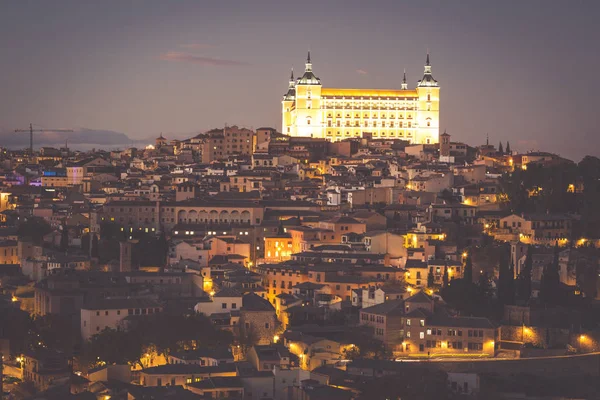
{"points": [[580, 340]]}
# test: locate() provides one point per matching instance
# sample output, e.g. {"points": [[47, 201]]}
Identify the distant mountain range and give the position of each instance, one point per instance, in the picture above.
{"points": [[79, 139]]}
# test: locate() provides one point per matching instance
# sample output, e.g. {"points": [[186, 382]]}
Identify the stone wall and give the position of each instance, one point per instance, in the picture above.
{"points": [[538, 337]]}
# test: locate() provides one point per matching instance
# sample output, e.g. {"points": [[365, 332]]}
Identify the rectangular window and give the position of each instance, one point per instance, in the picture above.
{"points": [[223, 305]]}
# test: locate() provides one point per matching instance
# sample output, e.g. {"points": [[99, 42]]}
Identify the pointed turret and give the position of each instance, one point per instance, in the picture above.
{"points": [[404, 84], [308, 78], [291, 93], [427, 77]]}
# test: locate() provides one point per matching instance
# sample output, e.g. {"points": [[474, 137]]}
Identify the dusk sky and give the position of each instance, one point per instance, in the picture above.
{"points": [[524, 71]]}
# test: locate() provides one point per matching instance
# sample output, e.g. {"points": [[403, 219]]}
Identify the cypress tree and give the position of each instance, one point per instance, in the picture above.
{"points": [[94, 247], [508, 147], [550, 283], [500, 148], [163, 247], [445, 279], [64, 238], [430, 279], [506, 292], [468, 271], [524, 283]]}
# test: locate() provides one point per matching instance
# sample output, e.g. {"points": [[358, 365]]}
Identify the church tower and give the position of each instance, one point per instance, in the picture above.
{"points": [[308, 103], [428, 92]]}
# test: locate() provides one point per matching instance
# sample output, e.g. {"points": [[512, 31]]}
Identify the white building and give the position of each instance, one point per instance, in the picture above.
{"points": [[110, 313], [225, 301]]}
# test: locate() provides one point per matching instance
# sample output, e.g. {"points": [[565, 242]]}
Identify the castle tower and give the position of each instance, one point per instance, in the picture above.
{"points": [[404, 83], [287, 121], [428, 92], [308, 103]]}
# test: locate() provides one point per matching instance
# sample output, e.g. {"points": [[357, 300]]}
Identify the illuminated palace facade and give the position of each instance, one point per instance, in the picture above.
{"points": [[310, 110]]}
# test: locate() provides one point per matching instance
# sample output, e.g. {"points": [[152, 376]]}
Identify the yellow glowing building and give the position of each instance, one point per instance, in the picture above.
{"points": [[310, 110]]}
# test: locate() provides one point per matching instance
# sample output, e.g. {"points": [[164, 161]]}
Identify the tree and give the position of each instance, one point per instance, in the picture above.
{"points": [[524, 280], [500, 148], [508, 147], [506, 290], [113, 347], [430, 279], [365, 345], [445, 279], [163, 247], [468, 269], [550, 292], [35, 228], [17, 330], [64, 238], [57, 332], [94, 247], [248, 337]]}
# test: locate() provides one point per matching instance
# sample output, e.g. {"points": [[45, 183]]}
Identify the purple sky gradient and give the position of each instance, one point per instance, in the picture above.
{"points": [[524, 71]]}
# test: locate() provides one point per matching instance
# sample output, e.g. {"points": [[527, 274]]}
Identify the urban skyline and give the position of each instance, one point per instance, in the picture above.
{"points": [[328, 200]]}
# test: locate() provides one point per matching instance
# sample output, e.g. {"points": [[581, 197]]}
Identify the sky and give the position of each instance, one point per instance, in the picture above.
{"points": [[519, 70]]}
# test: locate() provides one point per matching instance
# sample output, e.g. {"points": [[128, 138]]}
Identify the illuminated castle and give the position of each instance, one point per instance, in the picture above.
{"points": [[310, 110]]}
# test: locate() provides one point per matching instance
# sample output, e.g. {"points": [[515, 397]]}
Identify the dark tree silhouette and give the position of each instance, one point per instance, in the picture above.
{"points": [[445, 279], [524, 281], [500, 148], [64, 238], [506, 287], [430, 279], [468, 269], [508, 147], [94, 248], [34, 228], [550, 292]]}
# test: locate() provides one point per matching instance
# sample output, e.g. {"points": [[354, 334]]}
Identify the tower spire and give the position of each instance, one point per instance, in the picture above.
{"points": [[292, 75], [404, 84], [428, 79], [308, 63]]}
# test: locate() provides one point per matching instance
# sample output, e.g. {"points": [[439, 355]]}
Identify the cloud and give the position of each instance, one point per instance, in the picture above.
{"points": [[190, 58], [362, 71], [197, 46]]}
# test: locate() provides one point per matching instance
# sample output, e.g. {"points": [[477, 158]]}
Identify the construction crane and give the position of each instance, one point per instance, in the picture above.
{"points": [[31, 130]]}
